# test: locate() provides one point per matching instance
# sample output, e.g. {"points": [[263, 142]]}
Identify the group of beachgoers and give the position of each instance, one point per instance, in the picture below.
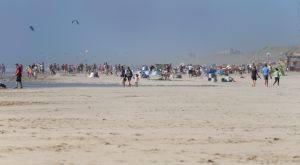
{"points": [[127, 75], [164, 71], [167, 71], [18, 74], [266, 71], [85, 68], [33, 70]]}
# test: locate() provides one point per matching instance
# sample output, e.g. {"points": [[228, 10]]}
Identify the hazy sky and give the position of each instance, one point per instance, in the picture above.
{"points": [[140, 31]]}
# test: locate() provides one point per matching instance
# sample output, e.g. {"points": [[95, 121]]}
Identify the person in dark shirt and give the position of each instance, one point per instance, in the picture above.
{"points": [[123, 75], [129, 75], [254, 75]]}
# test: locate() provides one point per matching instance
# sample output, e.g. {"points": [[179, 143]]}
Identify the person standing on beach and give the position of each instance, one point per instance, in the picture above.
{"points": [[190, 71], [19, 76], [123, 75], [43, 68], [137, 79], [1, 73], [254, 75], [266, 73], [270, 69], [2, 69], [276, 76]]}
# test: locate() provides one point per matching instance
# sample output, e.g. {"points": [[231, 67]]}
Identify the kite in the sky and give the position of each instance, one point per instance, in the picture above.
{"points": [[75, 21], [31, 28]]}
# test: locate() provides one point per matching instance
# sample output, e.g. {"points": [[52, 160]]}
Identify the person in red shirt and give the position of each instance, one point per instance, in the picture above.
{"points": [[19, 76]]}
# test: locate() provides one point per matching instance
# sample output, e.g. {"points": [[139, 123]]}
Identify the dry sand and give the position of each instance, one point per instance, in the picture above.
{"points": [[162, 123]]}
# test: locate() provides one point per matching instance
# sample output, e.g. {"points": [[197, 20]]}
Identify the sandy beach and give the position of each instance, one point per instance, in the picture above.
{"points": [[184, 121]]}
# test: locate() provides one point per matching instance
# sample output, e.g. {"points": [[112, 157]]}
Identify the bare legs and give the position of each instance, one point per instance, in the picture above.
{"points": [[253, 83], [276, 81], [17, 84]]}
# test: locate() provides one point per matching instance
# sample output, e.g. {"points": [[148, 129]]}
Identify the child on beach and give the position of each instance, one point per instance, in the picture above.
{"points": [[124, 80], [276, 76], [137, 79]]}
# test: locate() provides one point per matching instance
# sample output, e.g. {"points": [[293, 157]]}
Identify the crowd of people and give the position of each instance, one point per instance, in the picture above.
{"points": [[84, 68], [164, 71]]}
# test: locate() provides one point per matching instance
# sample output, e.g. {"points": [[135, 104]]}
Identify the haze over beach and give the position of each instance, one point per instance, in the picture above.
{"points": [[149, 82], [141, 32]]}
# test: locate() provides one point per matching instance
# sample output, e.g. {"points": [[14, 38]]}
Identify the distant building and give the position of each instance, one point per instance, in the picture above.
{"points": [[230, 51], [293, 59]]}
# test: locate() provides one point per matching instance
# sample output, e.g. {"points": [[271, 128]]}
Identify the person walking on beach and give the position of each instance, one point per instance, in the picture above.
{"points": [[266, 73], [129, 75], [254, 75], [276, 76], [19, 76]]}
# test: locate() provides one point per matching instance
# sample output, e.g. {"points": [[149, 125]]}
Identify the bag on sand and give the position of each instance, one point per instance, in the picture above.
{"points": [[2, 86]]}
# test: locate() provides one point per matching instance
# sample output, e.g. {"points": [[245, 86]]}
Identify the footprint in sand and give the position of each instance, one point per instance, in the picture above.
{"points": [[122, 145], [210, 161], [252, 157], [107, 143], [138, 134], [3, 132]]}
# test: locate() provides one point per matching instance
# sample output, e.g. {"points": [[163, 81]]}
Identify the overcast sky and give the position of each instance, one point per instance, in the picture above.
{"points": [[140, 31]]}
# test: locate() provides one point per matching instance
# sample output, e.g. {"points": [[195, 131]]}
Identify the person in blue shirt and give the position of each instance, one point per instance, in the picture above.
{"points": [[266, 72]]}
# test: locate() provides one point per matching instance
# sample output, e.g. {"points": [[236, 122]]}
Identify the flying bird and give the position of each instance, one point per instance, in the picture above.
{"points": [[75, 21], [31, 28]]}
